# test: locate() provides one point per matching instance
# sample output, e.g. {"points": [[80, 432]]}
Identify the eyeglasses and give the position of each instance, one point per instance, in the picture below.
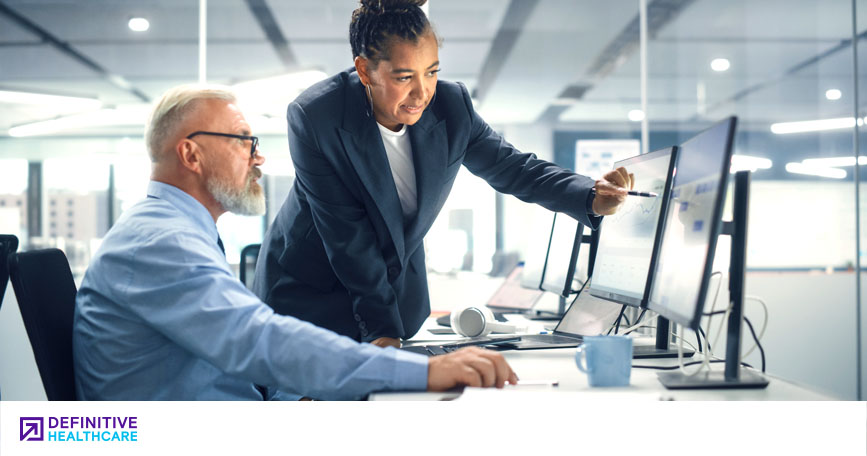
{"points": [[254, 139]]}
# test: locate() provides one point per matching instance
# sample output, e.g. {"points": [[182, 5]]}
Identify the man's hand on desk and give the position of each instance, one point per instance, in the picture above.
{"points": [[386, 342], [470, 366]]}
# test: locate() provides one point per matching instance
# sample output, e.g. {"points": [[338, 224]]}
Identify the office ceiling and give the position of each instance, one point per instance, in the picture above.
{"points": [[569, 62]]}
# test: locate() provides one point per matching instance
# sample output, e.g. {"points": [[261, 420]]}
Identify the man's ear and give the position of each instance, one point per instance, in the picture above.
{"points": [[362, 66], [189, 155]]}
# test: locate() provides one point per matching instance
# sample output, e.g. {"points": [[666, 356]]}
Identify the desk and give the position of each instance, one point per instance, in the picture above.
{"points": [[559, 364]]}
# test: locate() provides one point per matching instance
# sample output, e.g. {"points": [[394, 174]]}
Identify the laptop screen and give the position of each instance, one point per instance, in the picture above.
{"points": [[588, 316], [512, 296]]}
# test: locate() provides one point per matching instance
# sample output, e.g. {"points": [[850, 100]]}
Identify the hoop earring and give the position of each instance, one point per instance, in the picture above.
{"points": [[369, 100]]}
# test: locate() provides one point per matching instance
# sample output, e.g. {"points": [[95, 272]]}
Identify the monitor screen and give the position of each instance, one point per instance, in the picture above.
{"points": [[562, 250], [692, 225], [627, 238]]}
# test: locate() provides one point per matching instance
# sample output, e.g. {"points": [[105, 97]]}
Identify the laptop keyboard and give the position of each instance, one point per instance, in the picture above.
{"points": [[433, 350], [550, 338]]}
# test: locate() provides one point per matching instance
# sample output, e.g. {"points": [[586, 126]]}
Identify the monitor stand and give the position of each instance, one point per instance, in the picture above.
{"points": [[662, 348], [712, 380], [733, 376]]}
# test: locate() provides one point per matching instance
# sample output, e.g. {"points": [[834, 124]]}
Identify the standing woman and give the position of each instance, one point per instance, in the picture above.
{"points": [[376, 150]]}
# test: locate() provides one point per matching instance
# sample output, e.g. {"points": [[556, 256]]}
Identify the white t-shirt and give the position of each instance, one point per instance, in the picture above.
{"points": [[399, 152]]}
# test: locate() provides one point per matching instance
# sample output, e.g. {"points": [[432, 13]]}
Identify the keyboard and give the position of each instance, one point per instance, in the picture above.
{"points": [[442, 349], [551, 338]]}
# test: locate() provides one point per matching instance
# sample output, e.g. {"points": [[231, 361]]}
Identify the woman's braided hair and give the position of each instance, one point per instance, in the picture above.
{"points": [[377, 22]]}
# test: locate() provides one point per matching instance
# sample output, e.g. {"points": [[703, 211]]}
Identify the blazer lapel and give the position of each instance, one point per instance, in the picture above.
{"points": [[363, 145], [430, 155]]}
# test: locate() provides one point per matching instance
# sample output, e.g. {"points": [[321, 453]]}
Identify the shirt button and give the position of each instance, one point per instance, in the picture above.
{"points": [[363, 332], [362, 325], [357, 317], [393, 271]]}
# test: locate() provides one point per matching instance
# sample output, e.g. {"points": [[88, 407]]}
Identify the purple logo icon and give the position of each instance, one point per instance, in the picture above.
{"points": [[31, 428]]}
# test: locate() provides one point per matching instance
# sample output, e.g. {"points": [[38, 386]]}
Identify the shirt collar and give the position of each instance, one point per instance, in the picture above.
{"points": [[186, 204]]}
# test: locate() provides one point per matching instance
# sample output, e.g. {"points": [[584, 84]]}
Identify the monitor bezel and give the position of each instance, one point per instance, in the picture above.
{"points": [[693, 321], [663, 210]]}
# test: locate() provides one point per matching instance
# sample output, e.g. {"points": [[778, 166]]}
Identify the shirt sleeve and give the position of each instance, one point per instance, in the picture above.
{"points": [[189, 295], [347, 234], [523, 175]]}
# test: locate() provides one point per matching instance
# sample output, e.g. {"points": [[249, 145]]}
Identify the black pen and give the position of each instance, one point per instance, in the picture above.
{"points": [[644, 194]]}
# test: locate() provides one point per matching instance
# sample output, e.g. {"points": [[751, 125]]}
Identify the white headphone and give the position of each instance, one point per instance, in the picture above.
{"points": [[479, 321]]}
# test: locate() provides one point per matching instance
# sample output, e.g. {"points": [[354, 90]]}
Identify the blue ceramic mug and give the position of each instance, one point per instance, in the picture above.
{"points": [[607, 360]]}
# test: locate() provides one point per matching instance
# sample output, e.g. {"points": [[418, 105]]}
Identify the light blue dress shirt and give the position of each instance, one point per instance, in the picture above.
{"points": [[160, 316]]}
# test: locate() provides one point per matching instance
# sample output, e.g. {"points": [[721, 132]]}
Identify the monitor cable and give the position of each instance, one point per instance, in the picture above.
{"points": [[756, 338], [616, 325], [764, 326]]}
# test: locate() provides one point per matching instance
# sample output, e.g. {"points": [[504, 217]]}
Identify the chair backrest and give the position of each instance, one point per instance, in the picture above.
{"points": [[45, 292], [8, 246], [249, 255]]}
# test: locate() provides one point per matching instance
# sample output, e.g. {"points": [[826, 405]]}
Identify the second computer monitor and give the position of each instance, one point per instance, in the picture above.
{"points": [[627, 239], [561, 262], [692, 225]]}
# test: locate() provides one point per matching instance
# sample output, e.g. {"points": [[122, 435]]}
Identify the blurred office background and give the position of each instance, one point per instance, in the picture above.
{"points": [[560, 78]]}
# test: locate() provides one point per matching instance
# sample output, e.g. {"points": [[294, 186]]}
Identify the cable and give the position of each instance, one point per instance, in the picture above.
{"points": [[713, 312], [764, 324], [758, 344], [640, 324], [677, 336], [640, 316], [617, 322], [756, 338]]}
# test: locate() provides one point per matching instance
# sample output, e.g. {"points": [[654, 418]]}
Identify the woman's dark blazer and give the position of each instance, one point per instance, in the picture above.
{"points": [[339, 253]]}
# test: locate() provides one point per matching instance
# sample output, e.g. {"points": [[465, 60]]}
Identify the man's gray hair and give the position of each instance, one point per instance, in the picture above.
{"points": [[172, 110]]}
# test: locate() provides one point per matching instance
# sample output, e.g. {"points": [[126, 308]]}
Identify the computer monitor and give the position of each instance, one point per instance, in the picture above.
{"points": [[621, 272], [692, 226], [560, 263], [538, 239]]}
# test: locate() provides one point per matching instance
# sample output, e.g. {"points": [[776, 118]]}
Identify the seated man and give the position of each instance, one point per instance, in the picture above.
{"points": [[160, 316]]}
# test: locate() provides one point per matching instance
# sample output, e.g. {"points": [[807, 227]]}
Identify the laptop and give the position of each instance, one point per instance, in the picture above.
{"points": [[510, 297], [450, 346], [587, 316]]}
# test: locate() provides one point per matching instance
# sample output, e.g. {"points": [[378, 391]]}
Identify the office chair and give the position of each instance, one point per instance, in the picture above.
{"points": [[8, 246], [45, 291], [249, 255]]}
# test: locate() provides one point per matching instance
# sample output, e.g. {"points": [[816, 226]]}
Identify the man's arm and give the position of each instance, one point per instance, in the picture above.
{"points": [[192, 298]]}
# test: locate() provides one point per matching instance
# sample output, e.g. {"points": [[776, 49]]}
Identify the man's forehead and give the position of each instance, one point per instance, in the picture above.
{"points": [[224, 114]]}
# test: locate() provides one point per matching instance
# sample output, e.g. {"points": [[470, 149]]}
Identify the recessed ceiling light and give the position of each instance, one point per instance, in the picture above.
{"points": [[138, 24], [720, 64], [833, 94], [636, 115]]}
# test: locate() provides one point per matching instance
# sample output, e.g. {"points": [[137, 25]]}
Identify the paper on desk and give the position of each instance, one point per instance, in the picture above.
{"points": [[547, 394]]}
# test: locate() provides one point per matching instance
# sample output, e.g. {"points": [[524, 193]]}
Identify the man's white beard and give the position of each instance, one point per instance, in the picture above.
{"points": [[249, 200]]}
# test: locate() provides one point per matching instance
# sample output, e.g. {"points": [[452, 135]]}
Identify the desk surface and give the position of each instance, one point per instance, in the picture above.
{"points": [[559, 364]]}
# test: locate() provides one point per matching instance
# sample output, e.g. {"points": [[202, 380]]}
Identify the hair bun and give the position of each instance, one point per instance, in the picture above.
{"points": [[381, 6]]}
